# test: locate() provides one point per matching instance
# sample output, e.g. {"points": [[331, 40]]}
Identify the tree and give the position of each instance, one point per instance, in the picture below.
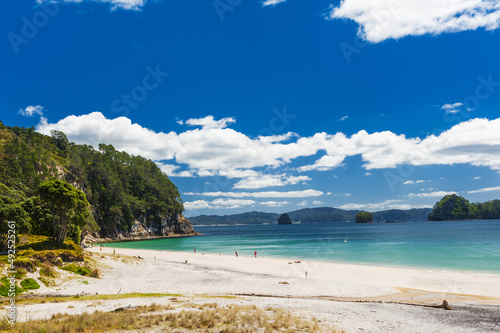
{"points": [[11, 211], [69, 206], [364, 217], [453, 207]]}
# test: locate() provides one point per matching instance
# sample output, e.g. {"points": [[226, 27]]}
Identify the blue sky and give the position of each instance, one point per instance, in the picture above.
{"points": [[270, 106]]}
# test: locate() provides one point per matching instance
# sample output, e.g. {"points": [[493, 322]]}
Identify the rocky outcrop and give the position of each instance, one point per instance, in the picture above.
{"points": [[178, 226], [284, 219]]}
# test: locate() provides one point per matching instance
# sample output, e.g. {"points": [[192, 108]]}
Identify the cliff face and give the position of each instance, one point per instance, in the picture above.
{"points": [[178, 226]]}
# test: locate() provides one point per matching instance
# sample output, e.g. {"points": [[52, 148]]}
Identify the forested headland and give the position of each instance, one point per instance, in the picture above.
{"points": [[122, 195], [454, 207]]}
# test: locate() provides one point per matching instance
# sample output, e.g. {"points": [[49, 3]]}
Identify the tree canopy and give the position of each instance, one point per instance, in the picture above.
{"points": [[364, 217], [454, 207], [120, 188], [70, 208]]}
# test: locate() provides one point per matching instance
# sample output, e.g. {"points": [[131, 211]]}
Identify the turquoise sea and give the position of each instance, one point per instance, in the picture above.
{"points": [[448, 245]]}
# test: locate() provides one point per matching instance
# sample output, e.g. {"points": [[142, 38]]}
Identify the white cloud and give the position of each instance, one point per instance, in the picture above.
{"points": [[262, 181], [214, 150], [388, 19], [274, 203], [271, 2], [431, 194], [486, 189], [208, 122], [385, 205], [123, 4], [302, 203], [477, 178], [170, 170], [266, 194], [343, 118], [452, 108], [408, 182], [31, 110], [218, 204], [368, 173], [317, 202]]}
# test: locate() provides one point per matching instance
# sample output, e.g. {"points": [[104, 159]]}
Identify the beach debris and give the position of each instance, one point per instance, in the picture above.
{"points": [[446, 305], [283, 282], [290, 263], [123, 308]]}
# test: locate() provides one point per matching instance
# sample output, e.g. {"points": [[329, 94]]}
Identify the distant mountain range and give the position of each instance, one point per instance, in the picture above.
{"points": [[320, 214]]}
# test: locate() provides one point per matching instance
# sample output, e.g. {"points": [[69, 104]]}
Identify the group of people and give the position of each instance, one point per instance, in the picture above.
{"points": [[235, 252]]}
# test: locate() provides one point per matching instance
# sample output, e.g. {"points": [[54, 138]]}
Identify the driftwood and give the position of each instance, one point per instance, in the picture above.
{"points": [[124, 308]]}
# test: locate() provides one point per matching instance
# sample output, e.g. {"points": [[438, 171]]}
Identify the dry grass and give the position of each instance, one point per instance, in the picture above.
{"points": [[206, 318]]}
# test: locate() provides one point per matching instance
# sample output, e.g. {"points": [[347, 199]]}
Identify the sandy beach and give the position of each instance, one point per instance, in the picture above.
{"points": [[356, 298]]}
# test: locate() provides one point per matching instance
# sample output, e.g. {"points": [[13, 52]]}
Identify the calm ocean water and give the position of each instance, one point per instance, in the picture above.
{"points": [[449, 245]]}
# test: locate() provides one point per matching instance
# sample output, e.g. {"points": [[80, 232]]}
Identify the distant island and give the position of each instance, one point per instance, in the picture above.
{"points": [[364, 217], [284, 219], [307, 215], [454, 208]]}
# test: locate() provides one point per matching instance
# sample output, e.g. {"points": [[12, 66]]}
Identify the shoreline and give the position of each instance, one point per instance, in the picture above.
{"points": [[356, 298], [326, 261], [324, 278]]}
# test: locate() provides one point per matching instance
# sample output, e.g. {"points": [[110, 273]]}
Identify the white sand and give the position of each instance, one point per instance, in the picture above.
{"points": [[328, 293]]}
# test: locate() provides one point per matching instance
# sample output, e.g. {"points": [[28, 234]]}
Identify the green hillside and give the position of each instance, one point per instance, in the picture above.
{"points": [[120, 188]]}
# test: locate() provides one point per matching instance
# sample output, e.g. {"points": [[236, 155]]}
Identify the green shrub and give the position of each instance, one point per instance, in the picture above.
{"points": [[84, 271], [29, 283], [5, 287], [48, 271], [25, 263], [20, 273]]}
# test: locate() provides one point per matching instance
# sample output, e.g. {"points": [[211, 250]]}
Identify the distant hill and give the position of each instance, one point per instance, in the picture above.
{"points": [[306, 215]]}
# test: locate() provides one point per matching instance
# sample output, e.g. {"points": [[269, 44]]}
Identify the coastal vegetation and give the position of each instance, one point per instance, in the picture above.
{"points": [[50, 186], [45, 260], [454, 207], [208, 317], [364, 217]]}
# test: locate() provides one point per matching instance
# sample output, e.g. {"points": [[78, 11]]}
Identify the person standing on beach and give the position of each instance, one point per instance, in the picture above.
{"points": [[236, 252], [255, 254], [194, 250]]}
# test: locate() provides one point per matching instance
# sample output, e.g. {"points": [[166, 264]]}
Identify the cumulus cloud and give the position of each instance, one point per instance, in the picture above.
{"points": [[262, 181], [317, 202], [385, 205], [408, 182], [452, 108], [208, 122], [123, 4], [32, 110], [265, 194], [216, 150], [431, 194], [271, 2], [274, 203], [388, 19], [218, 204], [486, 189], [170, 170], [302, 203]]}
